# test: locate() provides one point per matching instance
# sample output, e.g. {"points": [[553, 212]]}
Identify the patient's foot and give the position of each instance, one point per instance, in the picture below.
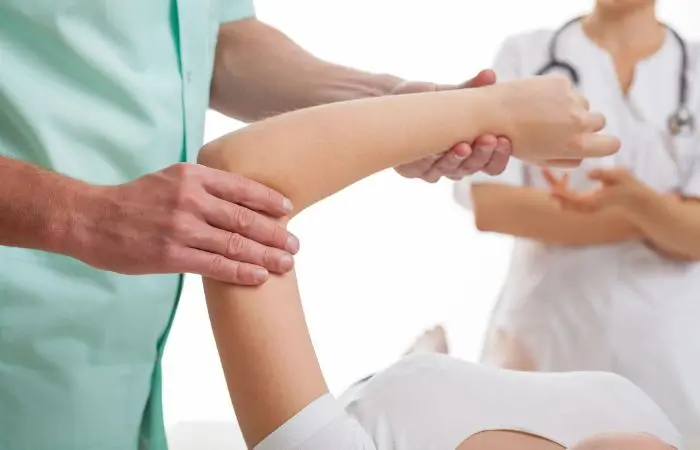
{"points": [[432, 341]]}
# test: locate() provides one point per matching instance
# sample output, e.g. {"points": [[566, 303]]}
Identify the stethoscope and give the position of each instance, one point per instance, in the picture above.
{"points": [[681, 120]]}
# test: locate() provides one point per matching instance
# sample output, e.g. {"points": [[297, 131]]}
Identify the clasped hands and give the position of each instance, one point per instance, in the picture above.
{"points": [[619, 190]]}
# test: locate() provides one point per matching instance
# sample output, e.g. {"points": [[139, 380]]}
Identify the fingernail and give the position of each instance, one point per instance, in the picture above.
{"points": [[287, 205], [292, 245], [286, 263], [260, 275]]}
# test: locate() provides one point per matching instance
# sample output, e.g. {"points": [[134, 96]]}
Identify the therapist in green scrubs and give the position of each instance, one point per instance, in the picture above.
{"points": [[102, 107]]}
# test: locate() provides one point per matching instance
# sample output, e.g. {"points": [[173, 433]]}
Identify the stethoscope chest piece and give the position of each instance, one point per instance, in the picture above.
{"points": [[681, 121]]}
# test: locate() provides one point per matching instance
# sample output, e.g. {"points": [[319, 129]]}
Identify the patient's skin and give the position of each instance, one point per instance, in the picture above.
{"points": [[270, 366], [498, 440], [313, 153], [622, 441]]}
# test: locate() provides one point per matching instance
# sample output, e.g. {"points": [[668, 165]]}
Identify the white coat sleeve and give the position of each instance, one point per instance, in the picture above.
{"points": [[322, 425], [507, 66], [692, 185]]}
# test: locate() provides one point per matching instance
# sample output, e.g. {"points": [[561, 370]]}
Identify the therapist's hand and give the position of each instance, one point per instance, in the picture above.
{"points": [[488, 153], [188, 219], [618, 189]]}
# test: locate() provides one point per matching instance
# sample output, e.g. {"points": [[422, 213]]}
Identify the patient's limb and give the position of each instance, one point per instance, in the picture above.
{"points": [[505, 349], [315, 152], [622, 441], [433, 340], [269, 362]]}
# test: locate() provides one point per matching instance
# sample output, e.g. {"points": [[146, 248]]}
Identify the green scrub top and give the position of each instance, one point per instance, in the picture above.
{"points": [[104, 91]]}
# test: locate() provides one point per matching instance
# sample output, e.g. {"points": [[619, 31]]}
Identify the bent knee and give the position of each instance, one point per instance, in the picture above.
{"points": [[505, 349]]}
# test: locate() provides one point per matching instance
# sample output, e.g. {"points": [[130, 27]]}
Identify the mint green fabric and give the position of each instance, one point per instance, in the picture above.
{"points": [[235, 10], [102, 91]]}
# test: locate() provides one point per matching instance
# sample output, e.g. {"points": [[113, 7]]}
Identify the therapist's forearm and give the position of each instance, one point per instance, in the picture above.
{"points": [[260, 72], [532, 214], [671, 226], [37, 207]]}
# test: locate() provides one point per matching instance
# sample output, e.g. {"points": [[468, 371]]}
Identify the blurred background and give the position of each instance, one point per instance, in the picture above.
{"points": [[387, 257]]}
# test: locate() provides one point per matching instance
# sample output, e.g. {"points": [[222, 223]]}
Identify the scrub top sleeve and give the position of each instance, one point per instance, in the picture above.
{"points": [[232, 10], [507, 65], [322, 425]]}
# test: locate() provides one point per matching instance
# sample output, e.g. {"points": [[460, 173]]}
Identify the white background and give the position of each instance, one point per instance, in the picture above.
{"points": [[387, 257]]}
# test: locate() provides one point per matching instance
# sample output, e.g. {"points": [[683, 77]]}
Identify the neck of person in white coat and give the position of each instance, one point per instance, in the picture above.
{"points": [[628, 30]]}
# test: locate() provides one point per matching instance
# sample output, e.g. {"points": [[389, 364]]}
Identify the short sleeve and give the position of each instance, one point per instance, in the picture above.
{"points": [[232, 10], [322, 425], [507, 65]]}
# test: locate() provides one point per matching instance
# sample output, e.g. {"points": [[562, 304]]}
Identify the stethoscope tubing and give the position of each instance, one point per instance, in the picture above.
{"points": [[680, 119]]}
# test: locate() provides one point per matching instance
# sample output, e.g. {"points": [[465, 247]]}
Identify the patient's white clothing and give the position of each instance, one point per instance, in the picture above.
{"points": [[435, 402]]}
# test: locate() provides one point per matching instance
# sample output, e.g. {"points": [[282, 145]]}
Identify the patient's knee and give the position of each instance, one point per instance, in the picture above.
{"points": [[505, 349]]}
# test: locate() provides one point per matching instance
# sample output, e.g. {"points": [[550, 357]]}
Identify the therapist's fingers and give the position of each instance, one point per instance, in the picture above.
{"points": [[599, 145], [480, 158], [240, 190], [483, 150], [499, 159], [472, 158], [484, 78], [418, 169], [235, 247], [450, 161], [218, 267], [595, 122], [249, 224]]}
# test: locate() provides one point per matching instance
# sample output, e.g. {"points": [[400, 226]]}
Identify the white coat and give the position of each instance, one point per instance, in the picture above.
{"points": [[620, 308]]}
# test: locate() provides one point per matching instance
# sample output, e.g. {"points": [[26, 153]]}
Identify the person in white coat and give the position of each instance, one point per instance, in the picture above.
{"points": [[610, 281]]}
